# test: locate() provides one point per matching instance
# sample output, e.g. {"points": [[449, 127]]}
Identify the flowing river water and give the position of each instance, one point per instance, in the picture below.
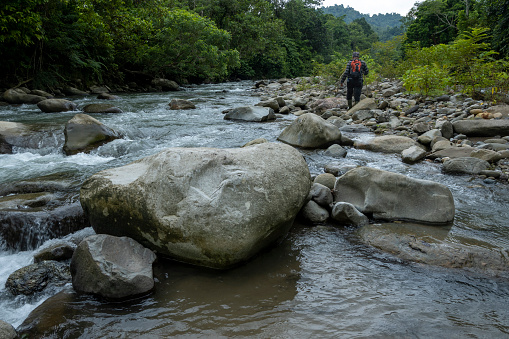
{"points": [[319, 282]]}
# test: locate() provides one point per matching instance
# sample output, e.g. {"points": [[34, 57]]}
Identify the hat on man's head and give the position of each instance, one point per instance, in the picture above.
{"points": [[356, 55]]}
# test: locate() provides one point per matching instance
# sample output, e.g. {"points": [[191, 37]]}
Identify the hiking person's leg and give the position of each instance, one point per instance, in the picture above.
{"points": [[357, 94], [349, 94]]}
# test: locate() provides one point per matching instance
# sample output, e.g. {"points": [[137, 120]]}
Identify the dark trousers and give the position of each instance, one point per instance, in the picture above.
{"points": [[353, 89]]}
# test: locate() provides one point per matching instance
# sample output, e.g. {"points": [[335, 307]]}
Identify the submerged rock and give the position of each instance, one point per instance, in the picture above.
{"points": [[391, 196], [204, 206], [429, 245], [112, 267]]}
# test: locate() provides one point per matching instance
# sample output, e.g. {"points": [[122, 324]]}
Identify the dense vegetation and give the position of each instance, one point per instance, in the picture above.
{"points": [[386, 26], [47, 43]]}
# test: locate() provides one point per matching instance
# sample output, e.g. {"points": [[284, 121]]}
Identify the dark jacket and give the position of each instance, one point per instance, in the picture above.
{"points": [[364, 70]]}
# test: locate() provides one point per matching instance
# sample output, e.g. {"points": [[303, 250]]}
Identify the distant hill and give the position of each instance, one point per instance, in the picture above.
{"points": [[386, 25]]}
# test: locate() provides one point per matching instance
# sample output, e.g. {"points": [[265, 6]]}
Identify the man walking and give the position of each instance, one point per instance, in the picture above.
{"points": [[355, 70]]}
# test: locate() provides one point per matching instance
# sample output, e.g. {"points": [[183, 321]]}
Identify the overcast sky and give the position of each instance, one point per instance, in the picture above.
{"points": [[374, 6]]}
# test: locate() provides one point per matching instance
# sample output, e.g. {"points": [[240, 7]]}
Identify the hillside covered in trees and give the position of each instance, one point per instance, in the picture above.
{"points": [[46, 43], [387, 25]]}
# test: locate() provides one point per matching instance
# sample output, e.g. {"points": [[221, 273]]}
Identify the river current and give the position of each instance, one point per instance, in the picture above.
{"points": [[319, 282]]}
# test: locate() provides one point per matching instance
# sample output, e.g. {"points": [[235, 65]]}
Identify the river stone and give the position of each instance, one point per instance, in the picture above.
{"points": [[314, 213], [101, 108], [363, 115], [388, 144], [255, 142], [176, 104], [336, 151], [322, 105], [57, 252], [430, 245], [251, 113], [272, 103], [56, 105], [12, 134], [7, 331], [486, 154], [413, 154], [441, 144], [364, 104], [112, 267], [321, 194], [204, 206], [427, 137], [69, 90], [326, 179], [392, 196], [36, 277], [165, 84], [482, 128], [106, 96], [453, 152], [346, 214], [447, 129], [84, 133], [465, 165], [310, 131], [18, 96]]}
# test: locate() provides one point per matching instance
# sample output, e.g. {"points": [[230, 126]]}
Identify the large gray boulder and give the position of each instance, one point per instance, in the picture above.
{"points": [[388, 144], [112, 267], [84, 133], [392, 196], [205, 206], [251, 113], [482, 127], [310, 131], [56, 105], [465, 165]]}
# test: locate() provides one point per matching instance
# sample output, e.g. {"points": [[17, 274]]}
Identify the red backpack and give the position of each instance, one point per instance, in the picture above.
{"points": [[355, 69]]}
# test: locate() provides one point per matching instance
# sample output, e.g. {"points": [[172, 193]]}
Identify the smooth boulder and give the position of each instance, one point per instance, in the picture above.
{"points": [[204, 206], [251, 113], [177, 104], [112, 267], [482, 127], [56, 105], [101, 108], [310, 131], [392, 196], [17, 96], [388, 144], [84, 133], [465, 165]]}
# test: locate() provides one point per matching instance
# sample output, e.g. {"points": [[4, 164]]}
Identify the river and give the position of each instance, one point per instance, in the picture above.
{"points": [[319, 282]]}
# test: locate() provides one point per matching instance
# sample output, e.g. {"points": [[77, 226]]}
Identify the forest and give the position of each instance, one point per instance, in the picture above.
{"points": [[438, 44]]}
